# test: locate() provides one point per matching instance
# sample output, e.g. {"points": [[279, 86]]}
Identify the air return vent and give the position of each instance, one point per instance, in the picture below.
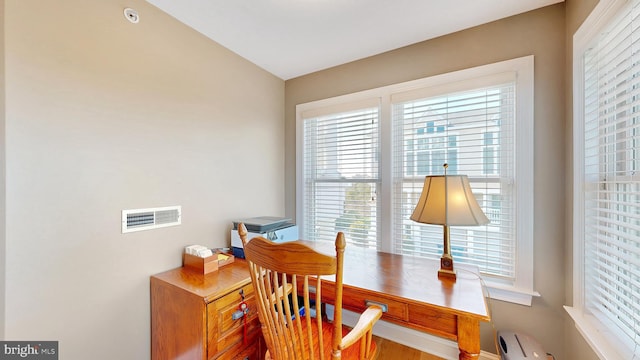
{"points": [[147, 219]]}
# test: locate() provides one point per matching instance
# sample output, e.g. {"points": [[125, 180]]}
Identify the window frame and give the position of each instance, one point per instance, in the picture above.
{"points": [[521, 290], [602, 340]]}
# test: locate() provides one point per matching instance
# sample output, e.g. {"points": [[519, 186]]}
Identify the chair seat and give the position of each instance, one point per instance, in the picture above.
{"points": [[352, 352]]}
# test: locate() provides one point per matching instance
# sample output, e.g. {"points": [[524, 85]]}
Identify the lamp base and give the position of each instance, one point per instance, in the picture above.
{"points": [[447, 274], [446, 268]]}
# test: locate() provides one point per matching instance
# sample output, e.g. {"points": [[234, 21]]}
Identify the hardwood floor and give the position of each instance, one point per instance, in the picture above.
{"points": [[388, 349]]}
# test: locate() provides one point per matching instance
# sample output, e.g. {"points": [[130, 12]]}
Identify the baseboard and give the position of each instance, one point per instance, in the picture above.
{"points": [[424, 342]]}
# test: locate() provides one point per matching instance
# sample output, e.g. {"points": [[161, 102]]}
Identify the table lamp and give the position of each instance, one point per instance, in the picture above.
{"points": [[448, 200]]}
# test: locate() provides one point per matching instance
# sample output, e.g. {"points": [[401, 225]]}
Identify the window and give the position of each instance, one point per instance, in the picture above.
{"points": [[464, 119], [606, 304], [341, 176], [362, 159]]}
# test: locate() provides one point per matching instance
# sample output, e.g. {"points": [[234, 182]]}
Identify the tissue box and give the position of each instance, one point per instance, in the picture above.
{"points": [[201, 265]]}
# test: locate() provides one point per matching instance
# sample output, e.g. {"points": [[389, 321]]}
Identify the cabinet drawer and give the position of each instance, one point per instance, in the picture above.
{"points": [[251, 352], [224, 334], [233, 344], [226, 306]]}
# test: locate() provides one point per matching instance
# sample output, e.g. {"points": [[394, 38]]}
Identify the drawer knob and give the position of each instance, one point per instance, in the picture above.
{"points": [[382, 306]]}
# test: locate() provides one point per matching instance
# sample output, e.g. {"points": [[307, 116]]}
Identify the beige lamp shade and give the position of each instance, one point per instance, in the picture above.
{"points": [[460, 209]]}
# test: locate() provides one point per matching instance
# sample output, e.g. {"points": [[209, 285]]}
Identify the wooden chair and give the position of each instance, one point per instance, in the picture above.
{"points": [[286, 274]]}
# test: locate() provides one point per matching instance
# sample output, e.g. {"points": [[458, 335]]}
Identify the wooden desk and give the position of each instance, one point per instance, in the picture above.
{"points": [[414, 296], [186, 305]]}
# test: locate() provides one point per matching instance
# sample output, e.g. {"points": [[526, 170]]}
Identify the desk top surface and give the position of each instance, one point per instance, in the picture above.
{"points": [[412, 279], [405, 278]]}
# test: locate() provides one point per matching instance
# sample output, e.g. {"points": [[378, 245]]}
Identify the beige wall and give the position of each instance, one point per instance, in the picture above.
{"points": [[575, 345], [541, 33], [3, 238], [104, 115]]}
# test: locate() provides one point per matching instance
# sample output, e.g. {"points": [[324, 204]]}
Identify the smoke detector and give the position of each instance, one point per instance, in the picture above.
{"points": [[131, 15]]}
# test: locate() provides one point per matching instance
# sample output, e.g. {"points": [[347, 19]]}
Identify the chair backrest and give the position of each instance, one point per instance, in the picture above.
{"points": [[286, 278]]}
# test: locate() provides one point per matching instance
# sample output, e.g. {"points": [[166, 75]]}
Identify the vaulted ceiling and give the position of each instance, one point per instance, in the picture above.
{"points": [[290, 38]]}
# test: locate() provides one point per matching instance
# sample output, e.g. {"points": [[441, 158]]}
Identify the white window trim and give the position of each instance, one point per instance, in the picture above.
{"points": [[522, 291], [603, 343]]}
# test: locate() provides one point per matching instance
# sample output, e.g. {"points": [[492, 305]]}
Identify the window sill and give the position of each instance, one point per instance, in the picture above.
{"points": [[596, 337], [510, 294]]}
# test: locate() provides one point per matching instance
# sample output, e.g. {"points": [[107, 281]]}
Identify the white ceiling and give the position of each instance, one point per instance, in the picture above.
{"points": [[290, 38]]}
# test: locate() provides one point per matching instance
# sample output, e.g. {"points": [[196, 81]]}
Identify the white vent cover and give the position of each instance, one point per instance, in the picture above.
{"points": [[147, 219]]}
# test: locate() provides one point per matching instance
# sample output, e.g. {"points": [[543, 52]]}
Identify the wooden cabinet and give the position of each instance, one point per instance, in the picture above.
{"points": [[192, 315]]}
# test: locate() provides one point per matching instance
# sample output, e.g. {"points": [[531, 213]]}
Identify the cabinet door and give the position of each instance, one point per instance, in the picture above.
{"points": [[228, 336]]}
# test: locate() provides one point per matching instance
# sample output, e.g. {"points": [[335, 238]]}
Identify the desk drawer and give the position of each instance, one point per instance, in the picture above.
{"points": [[355, 300], [434, 321]]}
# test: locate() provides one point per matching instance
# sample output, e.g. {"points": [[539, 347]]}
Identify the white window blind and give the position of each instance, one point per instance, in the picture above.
{"points": [[341, 175], [361, 164], [473, 132], [610, 180]]}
